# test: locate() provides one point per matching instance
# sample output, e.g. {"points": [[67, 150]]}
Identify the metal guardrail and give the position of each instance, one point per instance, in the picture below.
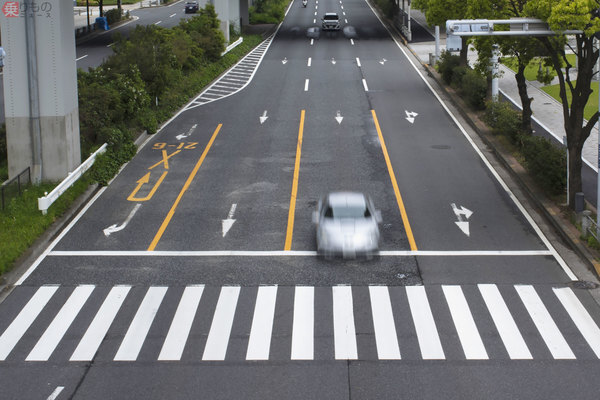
{"points": [[588, 225], [8, 188], [45, 202]]}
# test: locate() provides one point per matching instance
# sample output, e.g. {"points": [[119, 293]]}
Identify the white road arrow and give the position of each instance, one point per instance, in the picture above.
{"points": [[410, 116], [226, 224], [463, 214], [114, 228], [333, 60], [183, 136], [263, 118], [284, 61], [338, 117], [383, 60]]}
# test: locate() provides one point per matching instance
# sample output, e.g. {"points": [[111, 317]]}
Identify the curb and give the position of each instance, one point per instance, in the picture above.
{"points": [[549, 210]]}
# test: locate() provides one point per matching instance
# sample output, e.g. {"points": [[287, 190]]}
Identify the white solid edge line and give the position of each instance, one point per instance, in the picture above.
{"points": [[82, 57], [59, 238], [283, 253], [57, 391], [528, 217]]}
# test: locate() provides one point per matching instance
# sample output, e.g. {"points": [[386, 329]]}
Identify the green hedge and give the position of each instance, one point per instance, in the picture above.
{"points": [[546, 163]]}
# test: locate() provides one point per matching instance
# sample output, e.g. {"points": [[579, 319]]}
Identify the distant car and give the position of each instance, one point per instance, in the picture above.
{"points": [[330, 21], [191, 7], [347, 225]]}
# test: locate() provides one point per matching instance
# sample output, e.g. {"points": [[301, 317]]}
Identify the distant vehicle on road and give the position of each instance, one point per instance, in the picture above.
{"points": [[347, 225], [191, 7], [330, 21]]}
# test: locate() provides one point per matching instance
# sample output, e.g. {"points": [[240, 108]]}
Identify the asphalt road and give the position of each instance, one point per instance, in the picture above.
{"points": [[193, 274]]}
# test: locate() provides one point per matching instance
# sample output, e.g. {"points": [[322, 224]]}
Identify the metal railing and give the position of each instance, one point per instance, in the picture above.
{"points": [[588, 225], [14, 187]]}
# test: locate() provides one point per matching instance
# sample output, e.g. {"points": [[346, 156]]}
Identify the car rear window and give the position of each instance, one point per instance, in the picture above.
{"points": [[347, 212], [331, 17]]}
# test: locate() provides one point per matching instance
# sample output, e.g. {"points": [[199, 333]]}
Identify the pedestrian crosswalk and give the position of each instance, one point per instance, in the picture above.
{"points": [[293, 323]]}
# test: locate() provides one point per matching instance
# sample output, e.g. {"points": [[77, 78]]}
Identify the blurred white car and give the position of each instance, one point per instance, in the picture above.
{"points": [[347, 225]]}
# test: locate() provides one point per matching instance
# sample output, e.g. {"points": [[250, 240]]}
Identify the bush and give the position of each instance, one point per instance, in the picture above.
{"points": [[120, 150], [446, 65], [113, 15], [267, 11], [456, 80], [546, 163], [474, 87], [503, 119]]}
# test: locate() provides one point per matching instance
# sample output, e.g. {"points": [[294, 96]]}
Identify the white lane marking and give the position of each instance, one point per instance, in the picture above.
{"points": [[81, 58], [342, 7], [172, 15], [515, 200], [54, 395], [364, 82], [23, 321], [383, 323], [344, 13], [220, 329], [429, 340], [346, 20], [352, 42], [110, 45], [315, 13], [314, 21], [259, 342], [59, 325], [465, 325], [544, 323], [309, 61], [181, 325], [358, 62], [136, 334], [304, 323], [505, 324], [93, 337], [265, 253], [582, 319], [312, 41], [158, 22], [306, 85], [343, 324]]}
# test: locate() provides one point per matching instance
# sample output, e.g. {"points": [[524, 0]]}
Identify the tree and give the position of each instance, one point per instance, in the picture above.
{"points": [[437, 12], [522, 49], [562, 15]]}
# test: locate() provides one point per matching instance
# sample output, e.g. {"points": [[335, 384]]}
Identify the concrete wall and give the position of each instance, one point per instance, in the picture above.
{"points": [[57, 86]]}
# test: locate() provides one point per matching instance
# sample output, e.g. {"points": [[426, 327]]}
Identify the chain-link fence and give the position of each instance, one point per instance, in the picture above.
{"points": [[15, 186]]}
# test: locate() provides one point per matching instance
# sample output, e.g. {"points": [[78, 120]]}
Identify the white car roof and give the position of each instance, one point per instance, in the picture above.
{"points": [[344, 199]]}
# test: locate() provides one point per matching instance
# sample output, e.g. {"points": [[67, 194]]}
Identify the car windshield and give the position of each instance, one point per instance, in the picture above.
{"points": [[347, 212]]}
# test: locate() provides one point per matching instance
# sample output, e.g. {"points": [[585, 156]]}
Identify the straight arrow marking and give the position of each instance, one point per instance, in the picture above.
{"points": [[226, 224], [338, 117], [263, 118]]}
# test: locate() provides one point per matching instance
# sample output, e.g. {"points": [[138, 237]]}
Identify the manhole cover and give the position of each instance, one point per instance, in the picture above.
{"points": [[583, 285]]}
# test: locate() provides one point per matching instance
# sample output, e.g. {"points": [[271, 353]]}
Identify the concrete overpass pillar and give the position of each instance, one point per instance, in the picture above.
{"points": [[40, 88]]}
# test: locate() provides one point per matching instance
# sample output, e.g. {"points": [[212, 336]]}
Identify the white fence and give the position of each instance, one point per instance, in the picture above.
{"points": [[45, 202]]}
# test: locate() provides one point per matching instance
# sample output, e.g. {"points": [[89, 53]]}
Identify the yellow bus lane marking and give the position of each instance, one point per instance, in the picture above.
{"points": [[409, 234], [186, 185], [292, 211], [141, 182], [165, 159]]}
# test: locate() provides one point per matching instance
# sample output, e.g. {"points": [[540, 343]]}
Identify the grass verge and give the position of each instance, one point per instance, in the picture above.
{"points": [[590, 108]]}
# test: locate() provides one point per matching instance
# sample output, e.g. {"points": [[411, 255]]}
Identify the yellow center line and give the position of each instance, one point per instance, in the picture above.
{"points": [[411, 239], [187, 184], [290, 227]]}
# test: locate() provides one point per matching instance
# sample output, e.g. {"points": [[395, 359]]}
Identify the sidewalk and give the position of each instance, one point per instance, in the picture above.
{"points": [[80, 13], [547, 111]]}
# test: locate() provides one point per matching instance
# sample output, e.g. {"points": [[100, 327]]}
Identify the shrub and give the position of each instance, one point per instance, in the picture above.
{"points": [[113, 15], [474, 87], [120, 150], [446, 65], [546, 163], [456, 81], [503, 119]]}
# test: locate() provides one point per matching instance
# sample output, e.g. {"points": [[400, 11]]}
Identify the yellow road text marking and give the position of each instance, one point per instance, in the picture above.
{"points": [[411, 239], [141, 182], [290, 226], [186, 185]]}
